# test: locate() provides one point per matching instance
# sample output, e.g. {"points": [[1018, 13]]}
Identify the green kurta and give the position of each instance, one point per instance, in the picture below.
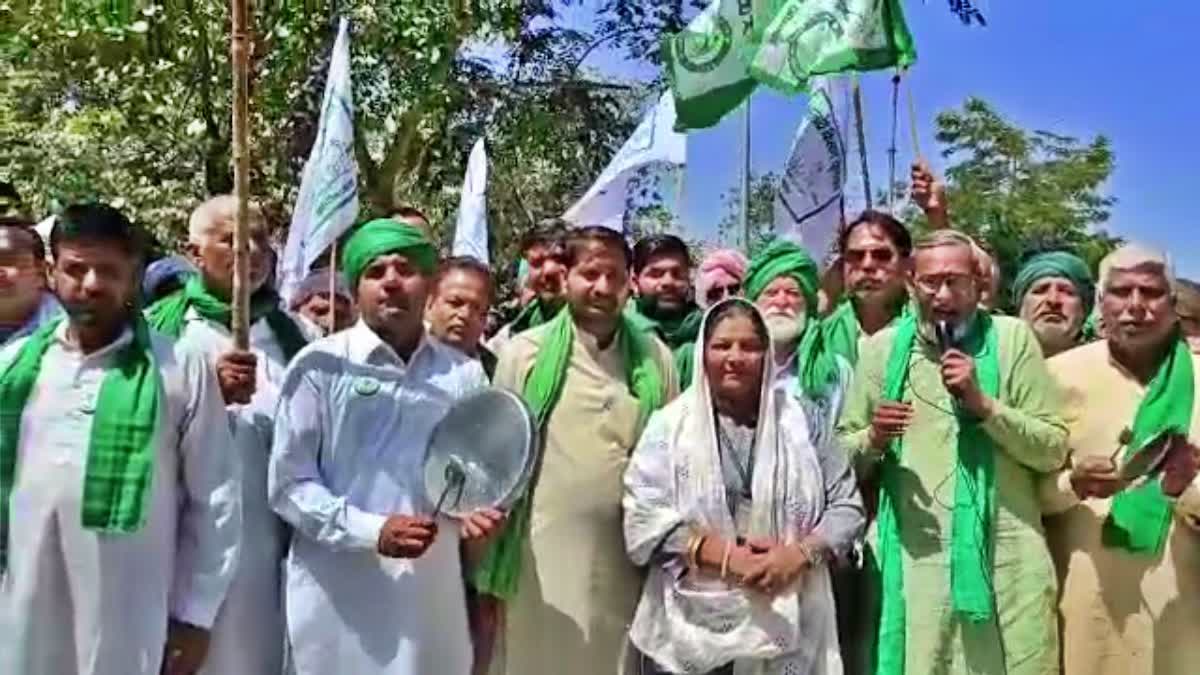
{"points": [[1032, 437]]}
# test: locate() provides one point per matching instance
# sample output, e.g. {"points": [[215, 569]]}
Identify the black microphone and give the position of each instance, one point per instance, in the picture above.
{"points": [[945, 341]]}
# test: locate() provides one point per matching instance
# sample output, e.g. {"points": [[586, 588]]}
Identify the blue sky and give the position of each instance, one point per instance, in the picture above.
{"points": [[1126, 70]]}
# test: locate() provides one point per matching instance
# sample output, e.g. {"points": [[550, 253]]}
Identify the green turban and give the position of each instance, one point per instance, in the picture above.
{"points": [[383, 236], [817, 367], [782, 257], [1055, 264]]}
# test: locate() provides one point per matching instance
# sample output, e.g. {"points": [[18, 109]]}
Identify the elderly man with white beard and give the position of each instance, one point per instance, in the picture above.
{"points": [[1054, 295], [782, 280]]}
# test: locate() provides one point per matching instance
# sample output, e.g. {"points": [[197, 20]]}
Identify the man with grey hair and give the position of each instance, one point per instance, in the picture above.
{"points": [[247, 638], [1127, 550], [955, 411]]}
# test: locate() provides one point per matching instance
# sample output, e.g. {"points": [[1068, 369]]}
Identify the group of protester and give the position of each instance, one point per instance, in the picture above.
{"points": [[746, 466]]}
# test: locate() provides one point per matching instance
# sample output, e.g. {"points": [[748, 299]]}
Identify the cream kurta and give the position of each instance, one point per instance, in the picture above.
{"points": [[578, 589], [1123, 614]]}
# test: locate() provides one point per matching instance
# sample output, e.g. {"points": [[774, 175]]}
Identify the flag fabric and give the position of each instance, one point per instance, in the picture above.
{"points": [[654, 141], [805, 38], [809, 203], [471, 232], [328, 202], [706, 61]]}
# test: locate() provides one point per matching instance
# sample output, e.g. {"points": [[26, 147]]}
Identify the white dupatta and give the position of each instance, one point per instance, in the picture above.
{"points": [[693, 623]]}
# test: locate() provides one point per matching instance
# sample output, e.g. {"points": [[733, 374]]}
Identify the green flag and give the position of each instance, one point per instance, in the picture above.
{"points": [[819, 37], [706, 61]]}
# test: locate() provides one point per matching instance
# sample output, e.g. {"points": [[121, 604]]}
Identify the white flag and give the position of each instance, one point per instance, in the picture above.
{"points": [[808, 205], [471, 233], [655, 140], [328, 201]]}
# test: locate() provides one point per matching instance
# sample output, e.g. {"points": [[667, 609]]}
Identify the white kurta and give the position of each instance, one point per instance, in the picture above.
{"points": [[79, 601], [350, 435], [247, 638]]}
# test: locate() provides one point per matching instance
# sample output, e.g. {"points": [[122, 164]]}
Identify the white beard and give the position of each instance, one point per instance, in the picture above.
{"points": [[785, 330]]}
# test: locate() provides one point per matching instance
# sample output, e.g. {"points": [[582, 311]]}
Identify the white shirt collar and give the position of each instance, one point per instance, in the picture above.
{"points": [[60, 336], [365, 343]]}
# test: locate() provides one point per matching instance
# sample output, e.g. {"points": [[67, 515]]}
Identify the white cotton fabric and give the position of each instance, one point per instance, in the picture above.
{"points": [[247, 637], [692, 623], [76, 601], [351, 431]]}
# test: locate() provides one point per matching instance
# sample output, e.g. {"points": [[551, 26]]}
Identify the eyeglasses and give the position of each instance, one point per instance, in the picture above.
{"points": [[931, 284]]}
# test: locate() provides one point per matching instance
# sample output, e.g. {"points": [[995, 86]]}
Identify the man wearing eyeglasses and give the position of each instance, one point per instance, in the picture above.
{"points": [[954, 410]]}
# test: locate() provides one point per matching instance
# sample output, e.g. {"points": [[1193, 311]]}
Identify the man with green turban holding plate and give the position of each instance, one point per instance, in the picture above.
{"points": [[1054, 293], [373, 586]]}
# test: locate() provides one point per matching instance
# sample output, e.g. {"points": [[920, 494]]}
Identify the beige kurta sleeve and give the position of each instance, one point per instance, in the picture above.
{"points": [[866, 388], [1027, 421], [513, 363]]}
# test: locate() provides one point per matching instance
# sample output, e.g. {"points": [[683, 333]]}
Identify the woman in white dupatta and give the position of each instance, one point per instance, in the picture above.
{"points": [[737, 517]]}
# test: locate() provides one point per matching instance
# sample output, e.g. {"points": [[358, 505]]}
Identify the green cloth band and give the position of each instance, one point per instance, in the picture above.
{"points": [[120, 460], [1055, 264], [500, 571], [168, 315], [1140, 518], [381, 237], [971, 536]]}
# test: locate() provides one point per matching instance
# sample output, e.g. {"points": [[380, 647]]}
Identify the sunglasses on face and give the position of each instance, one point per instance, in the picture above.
{"points": [[883, 256], [718, 293]]}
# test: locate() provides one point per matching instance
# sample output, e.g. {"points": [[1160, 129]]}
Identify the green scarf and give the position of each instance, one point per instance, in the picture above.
{"points": [[1141, 517], [532, 315], [499, 572], [167, 315], [675, 332], [815, 364], [383, 236], [971, 544], [841, 330], [120, 459]]}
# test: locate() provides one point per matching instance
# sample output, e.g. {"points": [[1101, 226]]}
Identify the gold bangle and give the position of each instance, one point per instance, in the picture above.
{"points": [[694, 551], [725, 560]]}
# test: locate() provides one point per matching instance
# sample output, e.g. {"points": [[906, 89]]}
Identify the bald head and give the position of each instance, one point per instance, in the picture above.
{"points": [[216, 216], [210, 243]]}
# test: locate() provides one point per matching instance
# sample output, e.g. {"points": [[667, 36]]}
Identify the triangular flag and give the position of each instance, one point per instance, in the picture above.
{"points": [[808, 206], [654, 141], [328, 202]]}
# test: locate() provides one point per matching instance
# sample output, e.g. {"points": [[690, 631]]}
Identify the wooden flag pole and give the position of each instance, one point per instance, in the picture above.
{"points": [[239, 53], [891, 191], [333, 264], [862, 141], [912, 120]]}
